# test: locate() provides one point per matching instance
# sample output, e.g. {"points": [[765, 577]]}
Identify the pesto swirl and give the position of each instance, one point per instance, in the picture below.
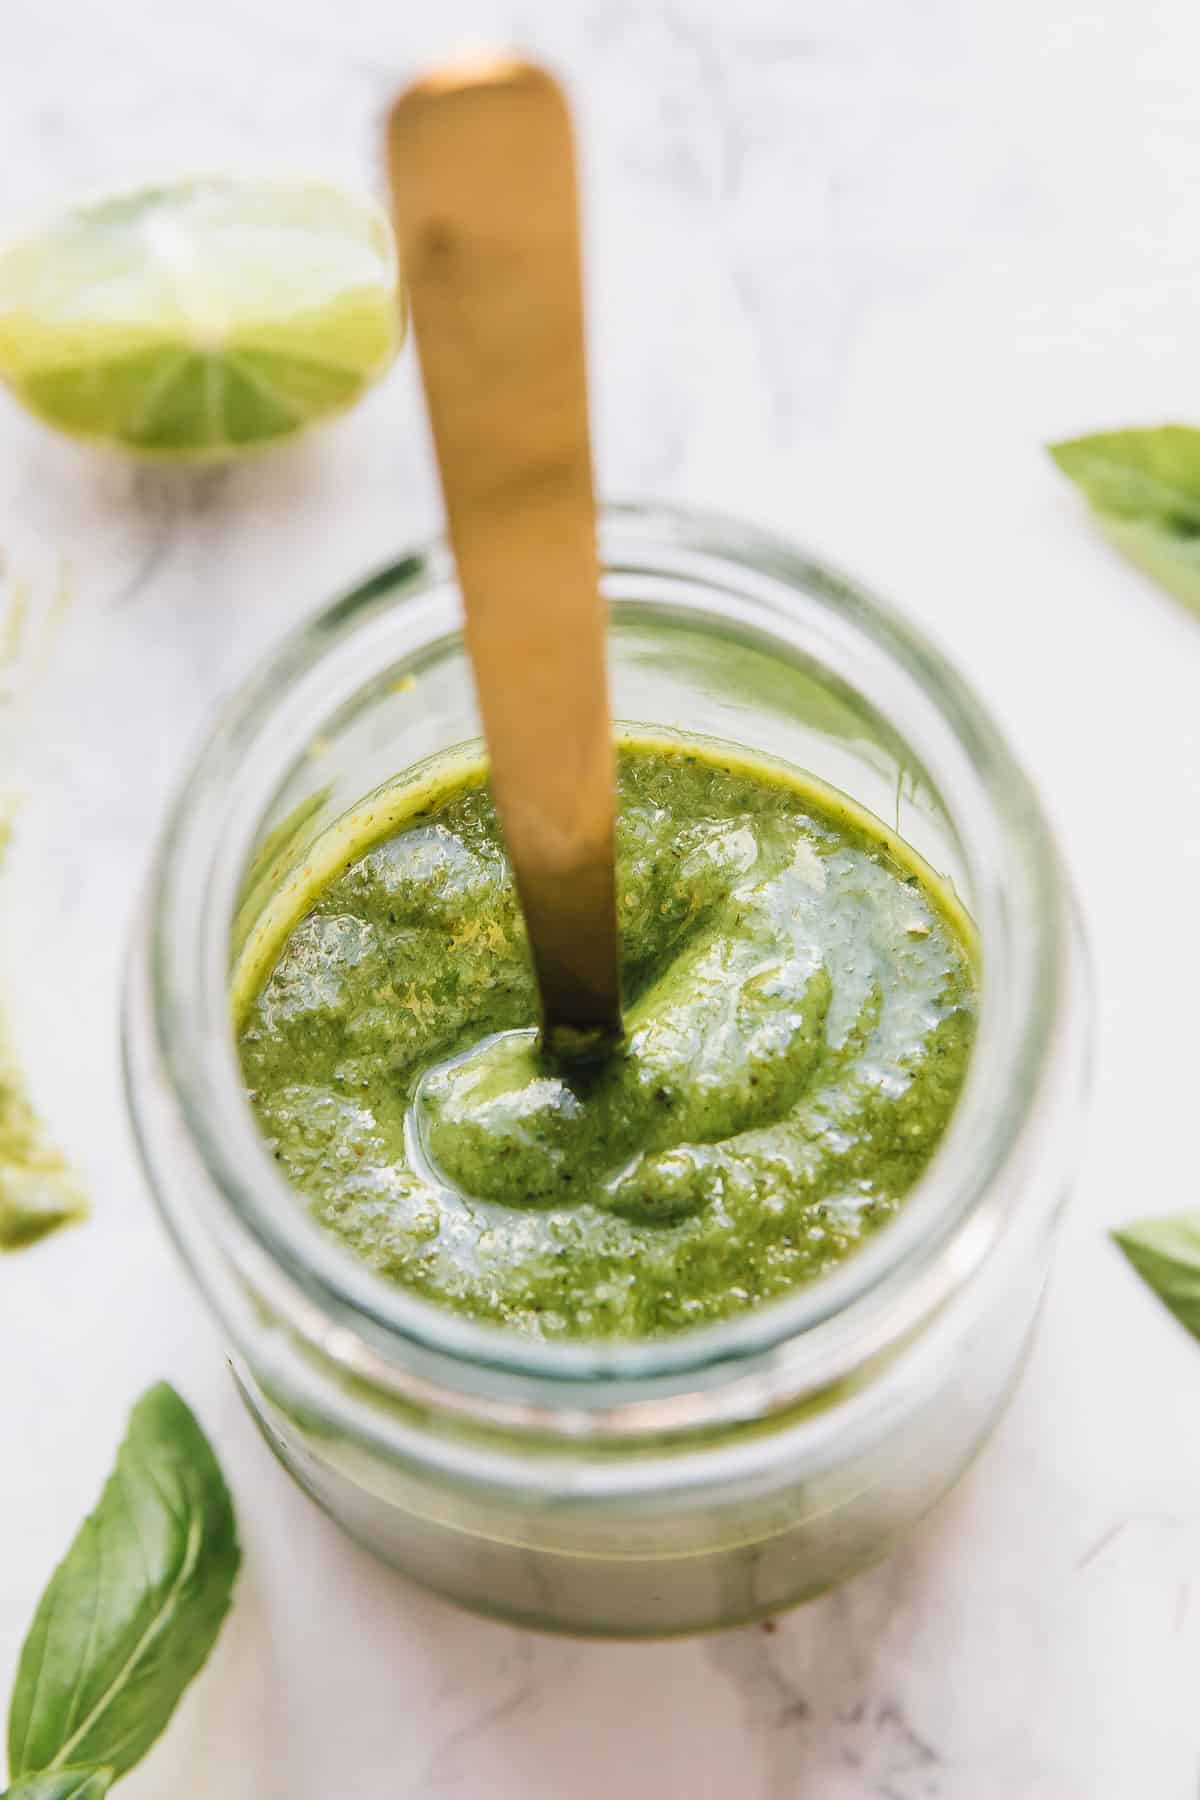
{"points": [[800, 1011]]}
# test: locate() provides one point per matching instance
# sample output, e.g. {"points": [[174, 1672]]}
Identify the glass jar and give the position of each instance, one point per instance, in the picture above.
{"points": [[667, 1485]]}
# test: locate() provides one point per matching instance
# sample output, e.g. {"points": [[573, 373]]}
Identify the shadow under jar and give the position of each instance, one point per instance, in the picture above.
{"points": [[671, 1484]]}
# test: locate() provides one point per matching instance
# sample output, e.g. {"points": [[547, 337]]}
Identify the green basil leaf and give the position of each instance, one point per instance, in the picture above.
{"points": [[1167, 558], [134, 1607], [1141, 474], [1144, 486], [1166, 1254], [64, 1784], [38, 1193]]}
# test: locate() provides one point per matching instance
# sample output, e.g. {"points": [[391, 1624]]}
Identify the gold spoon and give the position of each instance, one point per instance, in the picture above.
{"points": [[484, 201]]}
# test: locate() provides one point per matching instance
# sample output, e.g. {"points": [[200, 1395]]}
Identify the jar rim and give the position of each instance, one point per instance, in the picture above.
{"points": [[802, 1342]]}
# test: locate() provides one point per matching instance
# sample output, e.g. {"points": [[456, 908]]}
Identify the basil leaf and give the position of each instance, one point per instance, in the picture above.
{"points": [[1168, 559], [1144, 485], [1166, 1254], [37, 1190], [134, 1607], [64, 1784]]}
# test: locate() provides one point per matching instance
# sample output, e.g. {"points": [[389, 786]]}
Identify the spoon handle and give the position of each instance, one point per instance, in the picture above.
{"points": [[484, 201]]}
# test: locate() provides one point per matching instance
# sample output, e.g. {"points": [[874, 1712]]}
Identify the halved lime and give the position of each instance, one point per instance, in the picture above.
{"points": [[203, 319]]}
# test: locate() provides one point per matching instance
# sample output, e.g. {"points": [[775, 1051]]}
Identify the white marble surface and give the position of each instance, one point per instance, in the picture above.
{"points": [[851, 264]]}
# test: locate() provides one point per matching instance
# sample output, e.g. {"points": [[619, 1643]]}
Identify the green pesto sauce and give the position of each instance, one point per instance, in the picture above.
{"points": [[800, 1006]]}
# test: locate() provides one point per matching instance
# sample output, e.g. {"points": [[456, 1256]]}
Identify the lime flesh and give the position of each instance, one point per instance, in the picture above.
{"points": [[201, 320]]}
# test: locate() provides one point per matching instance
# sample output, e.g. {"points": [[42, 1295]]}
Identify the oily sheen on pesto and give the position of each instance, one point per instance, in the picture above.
{"points": [[800, 1007]]}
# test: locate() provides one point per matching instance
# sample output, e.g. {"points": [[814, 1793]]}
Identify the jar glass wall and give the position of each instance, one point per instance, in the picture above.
{"points": [[672, 1484]]}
